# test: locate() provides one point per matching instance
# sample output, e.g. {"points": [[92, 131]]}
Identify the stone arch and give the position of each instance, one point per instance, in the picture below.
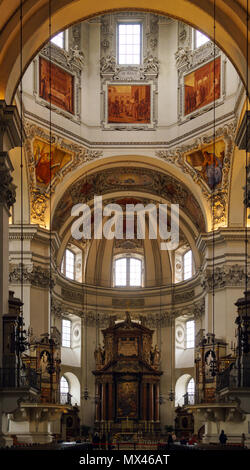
{"points": [[231, 31], [181, 388]]}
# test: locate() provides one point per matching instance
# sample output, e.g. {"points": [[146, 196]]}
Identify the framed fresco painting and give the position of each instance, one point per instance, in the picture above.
{"points": [[49, 161], [201, 78], [202, 86], [59, 89], [208, 162], [128, 105], [63, 91]]}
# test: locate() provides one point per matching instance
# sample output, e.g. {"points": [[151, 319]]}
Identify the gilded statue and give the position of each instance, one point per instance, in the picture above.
{"points": [[99, 356]]}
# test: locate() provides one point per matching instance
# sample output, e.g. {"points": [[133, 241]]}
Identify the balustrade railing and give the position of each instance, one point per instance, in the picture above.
{"points": [[233, 378]]}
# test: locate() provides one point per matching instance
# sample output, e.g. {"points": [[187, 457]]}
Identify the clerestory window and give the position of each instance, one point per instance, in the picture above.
{"points": [[60, 40], [68, 264], [199, 39], [129, 43], [128, 272], [190, 334]]}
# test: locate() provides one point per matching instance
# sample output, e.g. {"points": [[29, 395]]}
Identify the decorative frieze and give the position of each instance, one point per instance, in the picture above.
{"points": [[226, 276], [73, 295], [184, 296], [60, 309], [31, 274], [123, 303]]}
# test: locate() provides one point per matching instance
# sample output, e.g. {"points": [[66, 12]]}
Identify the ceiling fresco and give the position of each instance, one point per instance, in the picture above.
{"points": [[124, 180]]}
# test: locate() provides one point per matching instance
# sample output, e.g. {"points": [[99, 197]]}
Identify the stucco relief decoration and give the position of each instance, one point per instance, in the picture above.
{"points": [[184, 36], [60, 309], [49, 161], [233, 275], [208, 162], [30, 274], [126, 179]]}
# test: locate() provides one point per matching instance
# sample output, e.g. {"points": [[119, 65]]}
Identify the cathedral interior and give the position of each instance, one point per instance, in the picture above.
{"points": [[141, 334]]}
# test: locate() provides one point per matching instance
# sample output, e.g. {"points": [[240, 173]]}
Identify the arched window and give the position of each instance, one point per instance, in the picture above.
{"points": [[128, 272], [199, 39], [64, 390], [187, 265], [190, 387], [68, 264], [189, 398]]}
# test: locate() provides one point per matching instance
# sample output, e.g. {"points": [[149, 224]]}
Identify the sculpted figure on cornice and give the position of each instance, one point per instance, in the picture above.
{"points": [[187, 58], [72, 59], [108, 65], [208, 163], [182, 57]]}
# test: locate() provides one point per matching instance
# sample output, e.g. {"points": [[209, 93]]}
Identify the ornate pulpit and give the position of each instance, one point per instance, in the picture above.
{"points": [[127, 378]]}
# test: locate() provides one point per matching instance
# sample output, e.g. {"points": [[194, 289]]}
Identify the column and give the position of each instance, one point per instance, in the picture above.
{"points": [[110, 401], [151, 402], [7, 199], [104, 416], [157, 397], [97, 403], [144, 402], [9, 137], [82, 370]]}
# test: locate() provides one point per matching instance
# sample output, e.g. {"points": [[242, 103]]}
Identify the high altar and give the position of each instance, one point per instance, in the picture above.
{"points": [[127, 379]]}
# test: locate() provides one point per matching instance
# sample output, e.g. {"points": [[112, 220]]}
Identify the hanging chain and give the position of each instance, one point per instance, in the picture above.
{"points": [[213, 363]]}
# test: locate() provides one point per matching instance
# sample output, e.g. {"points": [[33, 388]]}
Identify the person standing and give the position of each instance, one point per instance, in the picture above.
{"points": [[170, 439], [243, 439], [223, 438]]}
